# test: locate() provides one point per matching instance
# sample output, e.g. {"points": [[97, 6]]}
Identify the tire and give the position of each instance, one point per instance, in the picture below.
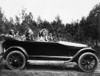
{"points": [[88, 62], [15, 60]]}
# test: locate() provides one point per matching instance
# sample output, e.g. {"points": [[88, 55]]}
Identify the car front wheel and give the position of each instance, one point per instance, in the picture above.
{"points": [[15, 60], [88, 62]]}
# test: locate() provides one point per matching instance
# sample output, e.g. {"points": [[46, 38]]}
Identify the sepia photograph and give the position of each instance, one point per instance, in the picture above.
{"points": [[49, 38]]}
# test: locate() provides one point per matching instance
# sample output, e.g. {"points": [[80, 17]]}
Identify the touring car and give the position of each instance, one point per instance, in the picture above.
{"points": [[18, 53]]}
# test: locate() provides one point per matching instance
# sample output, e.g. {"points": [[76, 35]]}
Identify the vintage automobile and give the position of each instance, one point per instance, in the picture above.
{"points": [[18, 53]]}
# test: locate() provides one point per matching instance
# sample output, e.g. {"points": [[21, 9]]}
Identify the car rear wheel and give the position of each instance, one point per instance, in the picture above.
{"points": [[15, 60], [88, 62]]}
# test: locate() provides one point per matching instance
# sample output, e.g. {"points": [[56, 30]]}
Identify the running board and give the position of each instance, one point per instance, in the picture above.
{"points": [[51, 62], [43, 57]]}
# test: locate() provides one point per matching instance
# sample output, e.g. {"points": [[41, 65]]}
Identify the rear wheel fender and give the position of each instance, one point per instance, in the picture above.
{"points": [[16, 48]]}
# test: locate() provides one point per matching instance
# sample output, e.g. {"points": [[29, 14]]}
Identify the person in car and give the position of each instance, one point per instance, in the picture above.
{"points": [[29, 34], [11, 33], [44, 36]]}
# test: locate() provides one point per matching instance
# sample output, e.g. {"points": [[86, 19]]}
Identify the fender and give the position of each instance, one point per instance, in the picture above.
{"points": [[83, 50], [15, 47], [88, 49]]}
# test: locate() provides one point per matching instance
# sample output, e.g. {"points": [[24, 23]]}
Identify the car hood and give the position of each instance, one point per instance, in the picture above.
{"points": [[72, 44]]}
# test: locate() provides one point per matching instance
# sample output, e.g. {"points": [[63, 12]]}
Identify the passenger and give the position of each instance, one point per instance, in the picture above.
{"points": [[43, 36], [23, 38], [50, 37], [17, 37], [11, 33], [29, 34]]}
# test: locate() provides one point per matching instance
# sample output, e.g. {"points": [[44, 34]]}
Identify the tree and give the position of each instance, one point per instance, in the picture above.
{"points": [[2, 27], [27, 21], [93, 22], [58, 27]]}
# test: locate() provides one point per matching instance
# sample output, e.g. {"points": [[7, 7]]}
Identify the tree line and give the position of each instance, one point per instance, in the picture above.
{"points": [[81, 31]]}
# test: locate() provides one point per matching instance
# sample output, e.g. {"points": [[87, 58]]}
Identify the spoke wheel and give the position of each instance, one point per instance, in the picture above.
{"points": [[16, 60], [88, 62]]}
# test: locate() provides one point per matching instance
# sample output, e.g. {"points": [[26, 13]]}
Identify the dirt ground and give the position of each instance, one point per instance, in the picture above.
{"points": [[47, 70]]}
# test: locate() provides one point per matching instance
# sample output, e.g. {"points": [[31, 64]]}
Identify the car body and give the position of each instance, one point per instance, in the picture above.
{"points": [[18, 53]]}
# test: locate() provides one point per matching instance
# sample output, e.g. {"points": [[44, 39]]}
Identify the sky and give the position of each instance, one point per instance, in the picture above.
{"points": [[68, 10]]}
